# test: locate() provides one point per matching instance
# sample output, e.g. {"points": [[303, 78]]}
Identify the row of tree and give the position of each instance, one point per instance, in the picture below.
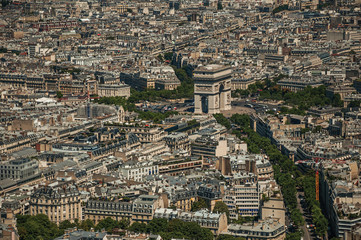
{"points": [[174, 228], [129, 106], [40, 227], [177, 229], [286, 173], [185, 90], [299, 101], [320, 221], [288, 176], [219, 207], [258, 87], [222, 120], [304, 99]]}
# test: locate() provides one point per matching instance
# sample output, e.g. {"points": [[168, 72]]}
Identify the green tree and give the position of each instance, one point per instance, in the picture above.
{"points": [[138, 227], [219, 5], [87, 225], [66, 224], [221, 207], [280, 9], [222, 120], [108, 224], [297, 217], [175, 225], [294, 236], [304, 130], [242, 120], [160, 57], [192, 230], [4, 3], [229, 237], [285, 173], [37, 227], [59, 94], [354, 103], [168, 56], [309, 186], [173, 229], [171, 235], [157, 225], [198, 205], [336, 100]]}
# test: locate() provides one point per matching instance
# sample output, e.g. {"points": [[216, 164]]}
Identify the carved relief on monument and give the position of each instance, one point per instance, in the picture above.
{"points": [[216, 102], [227, 84], [203, 88], [228, 98]]}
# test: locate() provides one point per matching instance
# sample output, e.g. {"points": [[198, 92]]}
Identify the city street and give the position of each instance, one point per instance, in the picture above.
{"points": [[306, 232]]}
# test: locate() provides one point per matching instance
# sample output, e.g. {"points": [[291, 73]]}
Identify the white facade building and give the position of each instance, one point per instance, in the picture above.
{"points": [[138, 171], [242, 200]]}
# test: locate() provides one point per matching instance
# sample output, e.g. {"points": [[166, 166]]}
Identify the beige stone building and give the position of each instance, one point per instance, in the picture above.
{"points": [[274, 208], [269, 229], [144, 207], [97, 210], [242, 83], [114, 90], [58, 203]]}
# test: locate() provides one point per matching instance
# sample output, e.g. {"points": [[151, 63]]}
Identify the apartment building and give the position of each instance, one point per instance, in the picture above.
{"points": [[242, 83], [209, 147], [19, 169], [181, 197], [257, 164], [177, 141], [114, 90], [59, 203], [243, 200], [296, 84], [178, 166], [97, 210], [137, 171], [145, 206], [269, 229], [211, 192], [144, 133]]}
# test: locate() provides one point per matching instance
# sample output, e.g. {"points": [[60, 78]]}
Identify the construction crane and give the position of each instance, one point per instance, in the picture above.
{"points": [[316, 163], [88, 102], [317, 179]]}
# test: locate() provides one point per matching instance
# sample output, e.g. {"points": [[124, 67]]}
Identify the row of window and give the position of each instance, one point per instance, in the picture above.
{"points": [[143, 210]]}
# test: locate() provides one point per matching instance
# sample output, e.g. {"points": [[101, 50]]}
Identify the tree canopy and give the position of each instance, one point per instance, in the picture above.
{"points": [[229, 237], [222, 120], [301, 100], [198, 205], [221, 207], [174, 228], [37, 227], [40, 227], [309, 186], [185, 90], [286, 173], [59, 94]]}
